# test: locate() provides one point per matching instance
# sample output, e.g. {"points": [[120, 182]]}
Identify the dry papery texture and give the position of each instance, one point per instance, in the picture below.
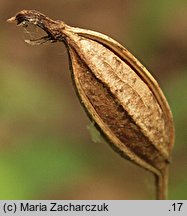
{"points": [[117, 92]]}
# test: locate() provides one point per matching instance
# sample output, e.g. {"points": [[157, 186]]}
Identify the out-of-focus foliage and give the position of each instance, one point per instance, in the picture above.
{"points": [[46, 150]]}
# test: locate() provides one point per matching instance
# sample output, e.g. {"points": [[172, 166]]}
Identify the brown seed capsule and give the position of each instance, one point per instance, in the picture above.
{"points": [[118, 93]]}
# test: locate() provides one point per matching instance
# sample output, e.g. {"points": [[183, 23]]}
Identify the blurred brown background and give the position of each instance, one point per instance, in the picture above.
{"points": [[46, 149]]}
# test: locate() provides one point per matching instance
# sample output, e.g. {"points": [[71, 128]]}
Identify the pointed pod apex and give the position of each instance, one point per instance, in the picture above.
{"points": [[11, 20]]}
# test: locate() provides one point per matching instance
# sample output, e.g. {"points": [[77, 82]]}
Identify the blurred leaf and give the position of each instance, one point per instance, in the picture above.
{"points": [[179, 190], [176, 90], [36, 159], [150, 23], [22, 94], [36, 165]]}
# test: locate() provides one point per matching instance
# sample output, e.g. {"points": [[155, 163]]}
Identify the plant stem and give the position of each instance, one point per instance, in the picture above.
{"points": [[162, 184]]}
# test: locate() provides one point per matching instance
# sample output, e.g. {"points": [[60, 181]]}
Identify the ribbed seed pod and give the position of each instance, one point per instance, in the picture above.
{"points": [[117, 92]]}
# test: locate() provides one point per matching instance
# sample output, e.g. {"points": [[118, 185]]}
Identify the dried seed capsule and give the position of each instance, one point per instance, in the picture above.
{"points": [[118, 94]]}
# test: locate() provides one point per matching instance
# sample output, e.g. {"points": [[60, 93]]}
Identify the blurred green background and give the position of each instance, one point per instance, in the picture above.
{"points": [[46, 148]]}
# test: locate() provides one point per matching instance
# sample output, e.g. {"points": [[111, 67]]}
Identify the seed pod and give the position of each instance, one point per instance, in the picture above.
{"points": [[117, 92]]}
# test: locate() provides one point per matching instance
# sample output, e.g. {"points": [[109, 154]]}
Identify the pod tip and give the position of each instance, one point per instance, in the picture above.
{"points": [[11, 20]]}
